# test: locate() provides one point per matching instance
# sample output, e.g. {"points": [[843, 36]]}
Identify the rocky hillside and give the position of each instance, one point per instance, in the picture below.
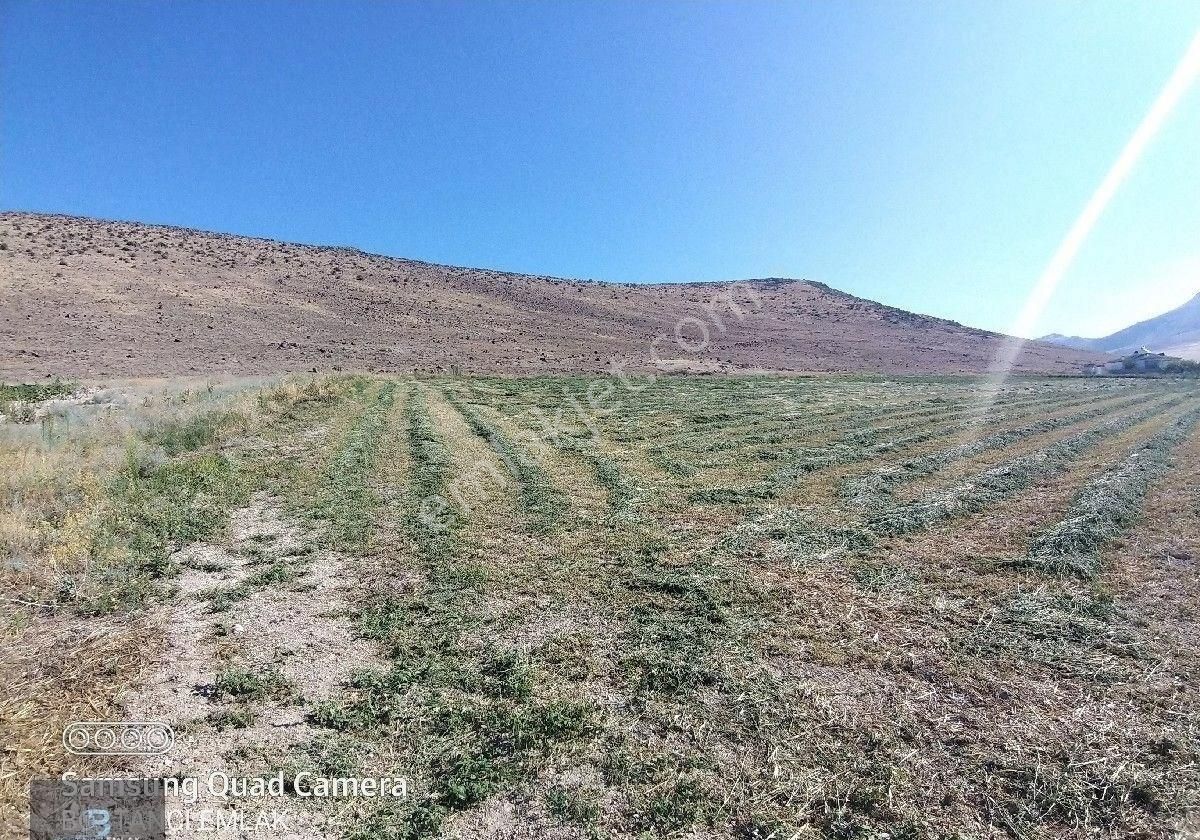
{"points": [[89, 298]]}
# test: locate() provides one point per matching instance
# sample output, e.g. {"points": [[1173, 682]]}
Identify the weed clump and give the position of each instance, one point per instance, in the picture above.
{"points": [[223, 719], [244, 684], [572, 806], [16, 401]]}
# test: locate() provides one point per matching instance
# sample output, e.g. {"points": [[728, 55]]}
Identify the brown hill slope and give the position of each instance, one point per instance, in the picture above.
{"points": [[90, 298]]}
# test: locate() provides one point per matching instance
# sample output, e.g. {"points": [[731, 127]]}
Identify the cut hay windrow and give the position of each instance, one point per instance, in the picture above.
{"points": [[543, 419], [796, 535], [856, 447], [455, 693], [776, 437], [949, 423], [538, 498], [1108, 504], [763, 441], [344, 500], [893, 420], [1083, 634], [815, 414], [432, 519], [1011, 410], [1004, 480], [793, 535], [623, 493], [810, 460], [872, 491]]}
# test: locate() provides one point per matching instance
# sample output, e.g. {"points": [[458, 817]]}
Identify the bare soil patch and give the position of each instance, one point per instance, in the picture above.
{"points": [[243, 675]]}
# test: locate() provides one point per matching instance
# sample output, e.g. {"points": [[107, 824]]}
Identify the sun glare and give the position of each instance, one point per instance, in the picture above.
{"points": [[1168, 99]]}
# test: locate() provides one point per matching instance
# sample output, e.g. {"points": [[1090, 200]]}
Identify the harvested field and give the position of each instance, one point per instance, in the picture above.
{"points": [[582, 606]]}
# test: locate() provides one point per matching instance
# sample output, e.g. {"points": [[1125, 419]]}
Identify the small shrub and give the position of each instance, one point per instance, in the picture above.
{"points": [[246, 684], [572, 806], [232, 718]]}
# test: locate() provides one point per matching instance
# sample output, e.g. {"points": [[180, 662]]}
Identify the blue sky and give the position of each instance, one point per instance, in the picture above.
{"points": [[927, 155]]}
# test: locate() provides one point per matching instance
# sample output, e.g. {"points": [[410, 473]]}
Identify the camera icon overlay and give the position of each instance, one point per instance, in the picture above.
{"points": [[118, 737]]}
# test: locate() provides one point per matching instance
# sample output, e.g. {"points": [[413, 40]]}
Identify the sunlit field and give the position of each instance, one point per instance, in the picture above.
{"points": [[591, 607]]}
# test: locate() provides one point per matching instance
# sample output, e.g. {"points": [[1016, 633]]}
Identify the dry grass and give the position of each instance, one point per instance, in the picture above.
{"points": [[62, 540], [56, 670]]}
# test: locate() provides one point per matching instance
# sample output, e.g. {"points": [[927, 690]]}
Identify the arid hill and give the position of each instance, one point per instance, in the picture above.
{"points": [[88, 298]]}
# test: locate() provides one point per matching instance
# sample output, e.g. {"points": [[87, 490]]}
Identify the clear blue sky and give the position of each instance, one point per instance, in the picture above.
{"points": [[928, 155]]}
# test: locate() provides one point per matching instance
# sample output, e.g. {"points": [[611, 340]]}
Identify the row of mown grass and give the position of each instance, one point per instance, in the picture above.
{"points": [[682, 629], [1008, 478], [863, 444], [344, 500], [539, 499], [875, 794], [464, 708], [873, 490], [1108, 504]]}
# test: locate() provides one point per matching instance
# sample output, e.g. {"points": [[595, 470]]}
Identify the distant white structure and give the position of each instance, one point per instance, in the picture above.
{"points": [[1142, 361]]}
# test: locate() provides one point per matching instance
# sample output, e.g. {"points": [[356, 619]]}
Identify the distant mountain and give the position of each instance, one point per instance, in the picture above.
{"points": [[1073, 341], [1176, 333], [90, 298]]}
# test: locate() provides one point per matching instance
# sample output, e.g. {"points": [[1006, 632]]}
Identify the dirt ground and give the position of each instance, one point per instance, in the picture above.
{"points": [[298, 632]]}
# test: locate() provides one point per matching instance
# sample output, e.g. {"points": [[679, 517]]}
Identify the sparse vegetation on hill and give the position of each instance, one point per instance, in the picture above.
{"points": [[83, 297]]}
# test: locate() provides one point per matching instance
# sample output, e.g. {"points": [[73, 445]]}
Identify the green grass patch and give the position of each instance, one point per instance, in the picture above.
{"points": [[36, 392], [155, 508], [573, 806], [188, 435], [15, 398]]}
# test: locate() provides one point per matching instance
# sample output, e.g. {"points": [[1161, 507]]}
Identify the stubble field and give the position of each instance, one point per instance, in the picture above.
{"points": [[571, 607]]}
